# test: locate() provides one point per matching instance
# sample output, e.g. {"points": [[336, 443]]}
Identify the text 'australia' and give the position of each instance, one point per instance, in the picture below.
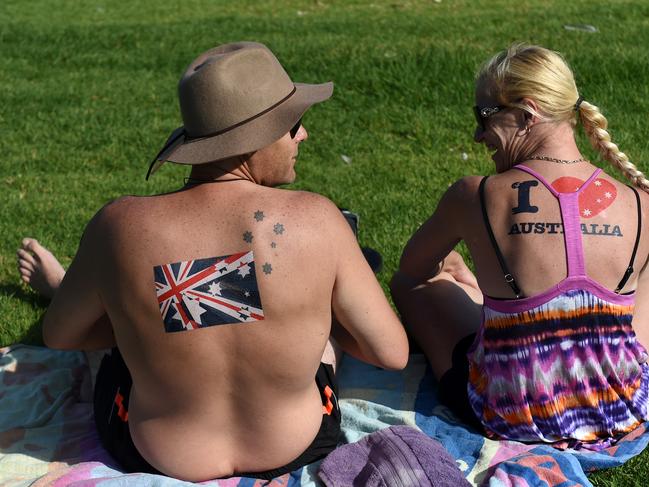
{"points": [[545, 227]]}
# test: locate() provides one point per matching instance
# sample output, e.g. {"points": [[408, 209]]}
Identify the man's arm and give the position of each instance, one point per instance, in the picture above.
{"points": [[367, 326], [76, 318]]}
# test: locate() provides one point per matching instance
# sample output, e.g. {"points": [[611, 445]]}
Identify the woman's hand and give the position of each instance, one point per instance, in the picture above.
{"points": [[454, 264]]}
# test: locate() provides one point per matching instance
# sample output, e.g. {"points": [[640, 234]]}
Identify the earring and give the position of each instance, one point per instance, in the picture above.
{"points": [[527, 130]]}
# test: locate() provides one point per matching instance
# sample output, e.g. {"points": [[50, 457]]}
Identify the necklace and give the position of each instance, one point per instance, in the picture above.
{"points": [[554, 159], [190, 181]]}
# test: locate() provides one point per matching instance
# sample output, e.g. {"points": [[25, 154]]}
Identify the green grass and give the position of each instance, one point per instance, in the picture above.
{"points": [[89, 95]]}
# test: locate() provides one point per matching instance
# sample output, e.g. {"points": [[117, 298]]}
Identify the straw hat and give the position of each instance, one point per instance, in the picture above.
{"points": [[235, 99]]}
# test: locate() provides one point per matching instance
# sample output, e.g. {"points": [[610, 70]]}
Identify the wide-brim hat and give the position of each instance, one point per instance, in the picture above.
{"points": [[235, 99]]}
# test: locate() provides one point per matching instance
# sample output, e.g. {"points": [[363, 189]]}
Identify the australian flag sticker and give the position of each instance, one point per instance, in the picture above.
{"points": [[206, 292]]}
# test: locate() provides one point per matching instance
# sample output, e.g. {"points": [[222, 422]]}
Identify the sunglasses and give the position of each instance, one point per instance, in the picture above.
{"points": [[481, 114], [295, 129]]}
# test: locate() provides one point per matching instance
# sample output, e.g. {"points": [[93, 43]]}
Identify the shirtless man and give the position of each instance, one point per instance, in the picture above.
{"points": [[220, 296]]}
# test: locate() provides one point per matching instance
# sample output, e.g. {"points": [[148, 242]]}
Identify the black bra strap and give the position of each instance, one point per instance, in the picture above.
{"points": [[629, 270], [509, 279]]}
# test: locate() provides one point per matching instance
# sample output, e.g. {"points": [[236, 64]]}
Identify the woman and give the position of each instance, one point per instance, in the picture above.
{"points": [[542, 346]]}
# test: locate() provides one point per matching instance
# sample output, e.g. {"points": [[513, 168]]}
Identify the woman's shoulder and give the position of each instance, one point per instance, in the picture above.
{"points": [[464, 187], [463, 193], [467, 188]]}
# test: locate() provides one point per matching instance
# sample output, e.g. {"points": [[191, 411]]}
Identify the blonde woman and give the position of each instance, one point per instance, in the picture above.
{"points": [[545, 343]]}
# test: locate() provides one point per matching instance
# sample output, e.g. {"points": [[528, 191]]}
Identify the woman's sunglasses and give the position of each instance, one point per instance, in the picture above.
{"points": [[481, 114]]}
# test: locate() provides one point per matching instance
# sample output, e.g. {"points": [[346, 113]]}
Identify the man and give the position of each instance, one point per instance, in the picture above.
{"points": [[220, 296]]}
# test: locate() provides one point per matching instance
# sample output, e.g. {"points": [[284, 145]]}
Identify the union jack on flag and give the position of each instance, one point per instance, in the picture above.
{"points": [[206, 292]]}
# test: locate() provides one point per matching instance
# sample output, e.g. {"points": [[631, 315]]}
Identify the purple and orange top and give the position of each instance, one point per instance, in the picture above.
{"points": [[564, 364]]}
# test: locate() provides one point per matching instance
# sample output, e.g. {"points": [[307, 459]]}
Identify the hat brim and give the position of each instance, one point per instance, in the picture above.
{"points": [[246, 138]]}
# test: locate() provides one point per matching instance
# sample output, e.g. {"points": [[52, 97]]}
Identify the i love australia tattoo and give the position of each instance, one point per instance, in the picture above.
{"points": [[590, 204], [593, 199], [604, 229]]}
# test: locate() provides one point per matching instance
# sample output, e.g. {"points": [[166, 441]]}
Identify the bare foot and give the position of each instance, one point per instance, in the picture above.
{"points": [[39, 268]]}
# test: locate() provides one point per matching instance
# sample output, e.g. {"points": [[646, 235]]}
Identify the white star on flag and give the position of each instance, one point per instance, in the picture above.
{"points": [[215, 288], [599, 200], [195, 309], [587, 212], [598, 183], [244, 270], [607, 195]]}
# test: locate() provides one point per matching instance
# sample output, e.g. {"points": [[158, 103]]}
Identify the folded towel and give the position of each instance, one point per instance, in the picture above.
{"points": [[398, 456]]}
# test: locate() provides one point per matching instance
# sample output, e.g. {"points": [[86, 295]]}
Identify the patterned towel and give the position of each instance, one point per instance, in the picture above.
{"points": [[47, 435]]}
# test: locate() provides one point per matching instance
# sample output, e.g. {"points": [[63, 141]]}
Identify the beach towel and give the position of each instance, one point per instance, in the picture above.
{"points": [[48, 438]]}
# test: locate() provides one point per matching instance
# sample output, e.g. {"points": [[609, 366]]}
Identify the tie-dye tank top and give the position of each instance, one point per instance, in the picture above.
{"points": [[564, 364]]}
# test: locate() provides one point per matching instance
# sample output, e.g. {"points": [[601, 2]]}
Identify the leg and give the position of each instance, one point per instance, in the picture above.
{"points": [[437, 314], [43, 272], [39, 268]]}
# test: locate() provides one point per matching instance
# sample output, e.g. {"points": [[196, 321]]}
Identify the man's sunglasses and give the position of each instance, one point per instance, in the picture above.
{"points": [[481, 114], [295, 129]]}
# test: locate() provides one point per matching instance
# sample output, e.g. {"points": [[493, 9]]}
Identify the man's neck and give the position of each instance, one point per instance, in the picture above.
{"points": [[233, 169]]}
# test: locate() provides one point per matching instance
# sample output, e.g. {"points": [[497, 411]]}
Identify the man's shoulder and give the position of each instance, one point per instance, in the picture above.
{"points": [[114, 208], [118, 213], [120, 204], [314, 214], [305, 203]]}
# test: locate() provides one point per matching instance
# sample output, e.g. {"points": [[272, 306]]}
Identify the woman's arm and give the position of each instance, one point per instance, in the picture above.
{"points": [[424, 255]]}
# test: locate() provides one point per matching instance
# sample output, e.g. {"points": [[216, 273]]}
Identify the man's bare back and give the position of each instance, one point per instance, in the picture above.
{"points": [[220, 300]]}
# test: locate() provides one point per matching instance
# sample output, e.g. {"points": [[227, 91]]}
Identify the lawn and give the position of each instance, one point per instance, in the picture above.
{"points": [[89, 96]]}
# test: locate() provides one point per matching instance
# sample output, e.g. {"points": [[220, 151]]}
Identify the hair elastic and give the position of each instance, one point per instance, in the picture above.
{"points": [[578, 103]]}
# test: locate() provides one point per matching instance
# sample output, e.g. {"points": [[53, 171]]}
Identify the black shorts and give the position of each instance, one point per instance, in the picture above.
{"points": [[453, 391], [112, 392]]}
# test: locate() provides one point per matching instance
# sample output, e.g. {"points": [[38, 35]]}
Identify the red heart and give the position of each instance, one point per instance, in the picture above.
{"points": [[593, 199]]}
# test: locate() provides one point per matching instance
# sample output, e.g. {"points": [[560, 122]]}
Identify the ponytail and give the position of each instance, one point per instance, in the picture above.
{"points": [[595, 124]]}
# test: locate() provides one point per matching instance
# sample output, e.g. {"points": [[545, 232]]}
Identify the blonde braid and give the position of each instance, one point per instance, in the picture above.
{"points": [[595, 125]]}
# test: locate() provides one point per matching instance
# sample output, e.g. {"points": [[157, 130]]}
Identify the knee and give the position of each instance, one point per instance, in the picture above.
{"points": [[400, 285]]}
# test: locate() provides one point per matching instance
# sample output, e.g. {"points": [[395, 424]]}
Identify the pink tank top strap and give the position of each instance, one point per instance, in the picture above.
{"points": [[535, 174], [570, 215]]}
